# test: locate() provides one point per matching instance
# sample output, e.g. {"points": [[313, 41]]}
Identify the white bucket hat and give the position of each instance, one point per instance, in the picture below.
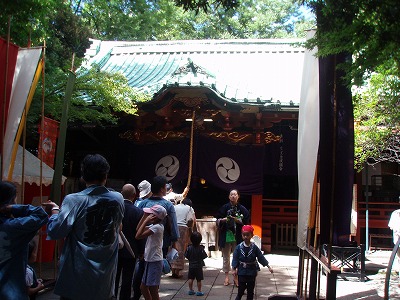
{"points": [[144, 188]]}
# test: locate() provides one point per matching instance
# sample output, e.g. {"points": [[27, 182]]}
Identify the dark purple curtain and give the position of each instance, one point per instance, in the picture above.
{"points": [[229, 166], [170, 159], [336, 168], [281, 157]]}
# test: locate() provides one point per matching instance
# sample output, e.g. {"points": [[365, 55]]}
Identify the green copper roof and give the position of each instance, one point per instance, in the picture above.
{"points": [[250, 71]]}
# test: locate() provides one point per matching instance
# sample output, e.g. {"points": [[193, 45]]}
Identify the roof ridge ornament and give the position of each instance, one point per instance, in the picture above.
{"points": [[191, 67]]}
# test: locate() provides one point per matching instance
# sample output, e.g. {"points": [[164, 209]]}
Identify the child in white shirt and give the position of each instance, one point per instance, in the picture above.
{"points": [[150, 227]]}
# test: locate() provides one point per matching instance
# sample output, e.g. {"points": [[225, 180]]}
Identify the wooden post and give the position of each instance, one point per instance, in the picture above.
{"points": [[256, 214], [313, 280]]}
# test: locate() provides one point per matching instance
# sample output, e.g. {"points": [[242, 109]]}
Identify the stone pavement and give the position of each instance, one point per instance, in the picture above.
{"points": [[282, 282]]}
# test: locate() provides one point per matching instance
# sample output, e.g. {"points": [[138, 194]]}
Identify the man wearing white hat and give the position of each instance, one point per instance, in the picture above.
{"points": [[144, 188]]}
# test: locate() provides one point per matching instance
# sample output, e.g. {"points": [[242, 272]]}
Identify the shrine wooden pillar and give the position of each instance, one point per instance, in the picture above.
{"points": [[256, 214]]}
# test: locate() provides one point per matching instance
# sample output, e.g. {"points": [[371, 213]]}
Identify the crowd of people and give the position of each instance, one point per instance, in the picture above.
{"points": [[119, 241]]}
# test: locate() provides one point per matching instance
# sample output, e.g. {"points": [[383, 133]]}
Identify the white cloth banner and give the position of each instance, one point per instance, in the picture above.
{"points": [[25, 69], [308, 139]]}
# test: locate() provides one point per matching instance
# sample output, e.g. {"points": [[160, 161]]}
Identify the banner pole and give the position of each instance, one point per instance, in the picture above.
{"points": [[3, 125], [42, 122]]}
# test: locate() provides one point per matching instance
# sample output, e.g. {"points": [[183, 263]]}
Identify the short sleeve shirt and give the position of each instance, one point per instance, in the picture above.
{"points": [[153, 248]]}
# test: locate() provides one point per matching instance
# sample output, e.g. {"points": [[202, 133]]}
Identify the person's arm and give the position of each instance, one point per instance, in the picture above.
{"points": [[203, 253], [246, 215], [185, 192], [62, 218], [51, 208], [26, 218], [187, 252], [142, 219], [221, 215], [33, 291], [262, 260], [190, 218], [143, 231]]}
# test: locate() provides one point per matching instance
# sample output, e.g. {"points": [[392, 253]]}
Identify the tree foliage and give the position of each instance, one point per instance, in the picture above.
{"points": [[368, 30], [377, 115], [54, 25], [64, 27], [162, 20]]}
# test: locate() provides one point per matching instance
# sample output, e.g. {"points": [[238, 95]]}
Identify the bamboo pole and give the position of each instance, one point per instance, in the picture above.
{"points": [[60, 151]]}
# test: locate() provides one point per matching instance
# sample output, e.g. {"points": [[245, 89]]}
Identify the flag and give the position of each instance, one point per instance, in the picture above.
{"points": [[48, 141], [308, 140], [9, 51], [336, 169], [24, 72], [228, 166]]}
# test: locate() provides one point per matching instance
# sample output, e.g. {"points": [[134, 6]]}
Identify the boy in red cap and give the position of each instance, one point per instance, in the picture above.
{"points": [[245, 265]]}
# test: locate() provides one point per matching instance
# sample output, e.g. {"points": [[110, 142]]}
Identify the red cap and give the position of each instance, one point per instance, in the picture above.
{"points": [[247, 228]]}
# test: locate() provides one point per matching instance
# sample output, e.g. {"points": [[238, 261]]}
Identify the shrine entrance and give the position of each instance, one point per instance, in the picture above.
{"points": [[223, 115]]}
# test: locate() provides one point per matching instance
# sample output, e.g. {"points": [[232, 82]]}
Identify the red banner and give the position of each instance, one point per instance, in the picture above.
{"points": [[48, 141], [9, 51]]}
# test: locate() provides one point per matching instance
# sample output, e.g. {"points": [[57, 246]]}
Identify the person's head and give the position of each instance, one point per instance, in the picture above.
{"points": [[159, 211], [8, 193], [196, 238], [128, 192], [247, 233], [144, 188], [94, 169], [187, 201], [234, 197], [32, 251], [169, 188], [158, 186]]}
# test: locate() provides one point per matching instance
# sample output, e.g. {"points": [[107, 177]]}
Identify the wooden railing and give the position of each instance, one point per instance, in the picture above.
{"points": [[279, 214], [279, 223], [378, 213], [285, 236], [280, 211]]}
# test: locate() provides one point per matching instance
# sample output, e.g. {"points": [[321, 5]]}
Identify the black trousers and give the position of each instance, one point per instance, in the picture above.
{"points": [[137, 279], [125, 267], [246, 283]]}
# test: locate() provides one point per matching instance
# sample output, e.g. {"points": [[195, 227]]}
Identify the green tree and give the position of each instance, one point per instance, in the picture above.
{"points": [[377, 115], [162, 20], [368, 30], [54, 24], [65, 28]]}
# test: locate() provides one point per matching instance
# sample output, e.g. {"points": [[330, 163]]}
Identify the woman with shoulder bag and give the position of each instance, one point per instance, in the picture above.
{"points": [[230, 219]]}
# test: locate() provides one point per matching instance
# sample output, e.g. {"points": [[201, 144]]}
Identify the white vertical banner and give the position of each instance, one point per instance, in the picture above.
{"points": [[308, 139], [27, 62]]}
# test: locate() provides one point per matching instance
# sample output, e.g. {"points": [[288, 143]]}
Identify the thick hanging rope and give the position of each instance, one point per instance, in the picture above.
{"points": [[191, 150]]}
